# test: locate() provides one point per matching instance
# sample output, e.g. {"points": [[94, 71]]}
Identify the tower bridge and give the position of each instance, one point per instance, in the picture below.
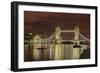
{"points": [[51, 48]]}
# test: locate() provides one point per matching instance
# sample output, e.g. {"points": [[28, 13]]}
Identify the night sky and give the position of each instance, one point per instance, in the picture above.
{"points": [[45, 23]]}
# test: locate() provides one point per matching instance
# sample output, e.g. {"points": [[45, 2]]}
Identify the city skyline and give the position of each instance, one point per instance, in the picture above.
{"points": [[42, 25], [45, 23]]}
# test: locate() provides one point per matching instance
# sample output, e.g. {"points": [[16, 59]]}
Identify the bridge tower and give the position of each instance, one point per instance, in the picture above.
{"points": [[77, 35], [57, 55], [76, 47]]}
